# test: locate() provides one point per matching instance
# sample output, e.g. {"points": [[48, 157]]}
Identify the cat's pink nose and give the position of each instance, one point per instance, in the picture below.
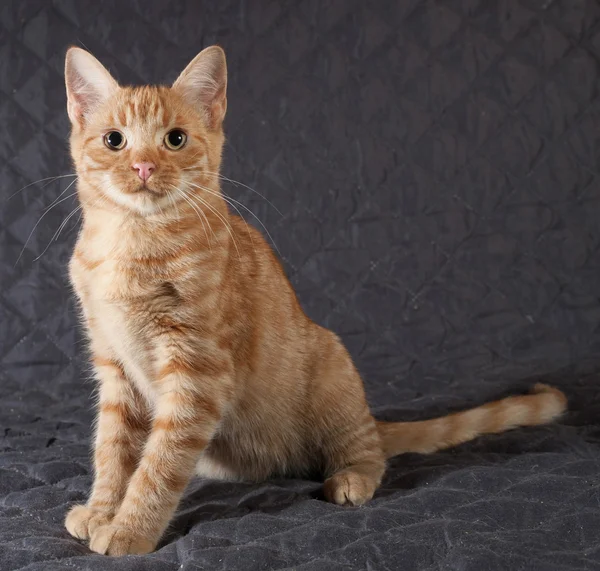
{"points": [[145, 170]]}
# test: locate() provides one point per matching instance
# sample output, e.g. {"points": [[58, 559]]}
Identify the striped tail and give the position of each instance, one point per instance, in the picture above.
{"points": [[542, 405]]}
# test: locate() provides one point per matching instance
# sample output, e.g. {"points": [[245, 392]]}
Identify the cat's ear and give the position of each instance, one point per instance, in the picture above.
{"points": [[88, 84], [203, 83]]}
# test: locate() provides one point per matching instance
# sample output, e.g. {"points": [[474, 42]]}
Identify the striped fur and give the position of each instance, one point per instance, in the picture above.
{"points": [[206, 362]]}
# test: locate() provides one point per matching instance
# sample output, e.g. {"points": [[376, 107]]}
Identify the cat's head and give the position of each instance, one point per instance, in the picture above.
{"points": [[141, 149]]}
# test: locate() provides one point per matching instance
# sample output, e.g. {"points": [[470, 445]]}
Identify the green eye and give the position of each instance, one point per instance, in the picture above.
{"points": [[114, 140], [175, 139]]}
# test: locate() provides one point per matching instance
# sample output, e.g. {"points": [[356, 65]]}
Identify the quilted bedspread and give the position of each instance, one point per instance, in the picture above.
{"points": [[429, 173]]}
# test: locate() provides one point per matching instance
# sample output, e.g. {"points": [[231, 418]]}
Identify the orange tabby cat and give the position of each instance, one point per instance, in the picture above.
{"points": [[206, 362]]}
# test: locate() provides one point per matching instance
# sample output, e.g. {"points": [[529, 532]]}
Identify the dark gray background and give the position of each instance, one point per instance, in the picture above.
{"points": [[436, 164]]}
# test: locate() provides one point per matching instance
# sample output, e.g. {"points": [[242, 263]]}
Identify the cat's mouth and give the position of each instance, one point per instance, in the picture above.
{"points": [[148, 189]]}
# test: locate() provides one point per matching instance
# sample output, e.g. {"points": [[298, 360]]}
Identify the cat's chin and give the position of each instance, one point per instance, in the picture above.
{"points": [[145, 202], [147, 205]]}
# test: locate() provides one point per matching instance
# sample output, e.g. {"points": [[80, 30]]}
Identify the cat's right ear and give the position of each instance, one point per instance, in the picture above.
{"points": [[88, 84]]}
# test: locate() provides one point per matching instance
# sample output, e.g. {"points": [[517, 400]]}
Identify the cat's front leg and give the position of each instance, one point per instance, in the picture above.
{"points": [[121, 431], [188, 411]]}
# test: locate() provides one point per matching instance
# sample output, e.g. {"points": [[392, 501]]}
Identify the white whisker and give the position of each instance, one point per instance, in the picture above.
{"points": [[220, 217], [199, 213], [228, 198], [230, 203], [50, 178], [58, 231], [54, 203], [236, 183], [174, 203]]}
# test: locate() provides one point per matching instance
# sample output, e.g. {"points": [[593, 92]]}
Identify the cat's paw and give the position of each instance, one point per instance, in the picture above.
{"points": [[119, 540], [81, 521], [349, 488]]}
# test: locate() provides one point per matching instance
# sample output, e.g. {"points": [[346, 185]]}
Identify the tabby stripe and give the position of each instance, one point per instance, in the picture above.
{"points": [[167, 257], [179, 440], [209, 367], [104, 362], [85, 262], [129, 420]]}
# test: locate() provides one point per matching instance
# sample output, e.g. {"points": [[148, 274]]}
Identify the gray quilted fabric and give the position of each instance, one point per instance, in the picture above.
{"points": [[436, 164]]}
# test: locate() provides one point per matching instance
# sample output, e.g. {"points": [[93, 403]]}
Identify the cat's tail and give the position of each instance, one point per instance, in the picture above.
{"points": [[542, 405]]}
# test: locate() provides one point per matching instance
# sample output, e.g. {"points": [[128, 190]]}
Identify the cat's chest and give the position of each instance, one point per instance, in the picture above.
{"points": [[118, 307]]}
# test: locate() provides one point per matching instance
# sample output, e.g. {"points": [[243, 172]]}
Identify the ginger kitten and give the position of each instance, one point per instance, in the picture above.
{"points": [[206, 363]]}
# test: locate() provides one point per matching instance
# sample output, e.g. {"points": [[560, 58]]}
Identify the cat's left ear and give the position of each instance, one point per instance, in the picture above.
{"points": [[88, 84], [204, 84]]}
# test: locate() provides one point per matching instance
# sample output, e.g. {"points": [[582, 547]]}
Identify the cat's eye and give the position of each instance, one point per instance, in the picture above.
{"points": [[114, 140], [175, 139]]}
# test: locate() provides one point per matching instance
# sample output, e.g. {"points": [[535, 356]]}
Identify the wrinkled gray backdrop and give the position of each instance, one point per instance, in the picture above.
{"points": [[436, 167]]}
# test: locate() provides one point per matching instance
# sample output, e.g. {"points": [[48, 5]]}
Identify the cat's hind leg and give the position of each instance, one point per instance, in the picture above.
{"points": [[354, 461]]}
